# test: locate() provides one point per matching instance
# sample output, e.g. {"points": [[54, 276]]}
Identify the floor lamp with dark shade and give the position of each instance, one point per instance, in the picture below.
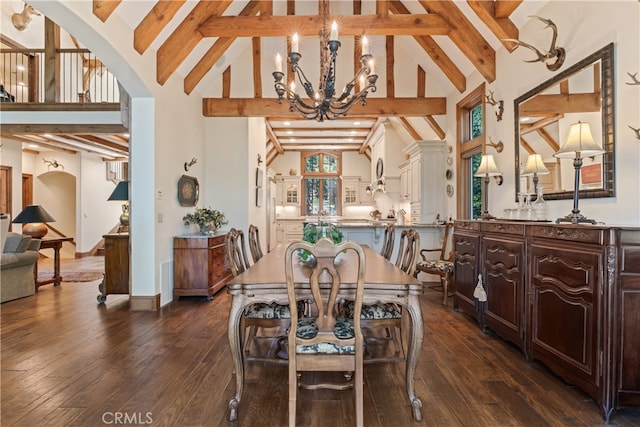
{"points": [[486, 170], [579, 144], [34, 217], [121, 192]]}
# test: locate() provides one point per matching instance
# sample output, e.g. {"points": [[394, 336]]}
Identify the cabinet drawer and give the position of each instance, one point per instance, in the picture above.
{"points": [[503, 228], [293, 228], [467, 225], [574, 234]]}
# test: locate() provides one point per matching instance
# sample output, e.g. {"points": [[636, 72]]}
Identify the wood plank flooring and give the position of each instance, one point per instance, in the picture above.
{"points": [[67, 361]]}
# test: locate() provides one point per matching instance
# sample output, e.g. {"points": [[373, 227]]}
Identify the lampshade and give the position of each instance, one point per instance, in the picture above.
{"points": [[535, 165], [33, 217], [488, 167], [579, 141], [121, 192]]}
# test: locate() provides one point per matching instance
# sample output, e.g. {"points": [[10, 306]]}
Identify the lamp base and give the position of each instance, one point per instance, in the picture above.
{"points": [[37, 230], [576, 218]]}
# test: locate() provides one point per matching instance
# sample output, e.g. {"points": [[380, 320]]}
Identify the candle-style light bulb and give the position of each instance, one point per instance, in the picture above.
{"points": [[372, 69], [334, 31], [365, 45], [278, 63], [361, 80], [294, 43]]}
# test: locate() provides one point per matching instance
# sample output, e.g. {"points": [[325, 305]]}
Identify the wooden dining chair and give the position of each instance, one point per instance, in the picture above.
{"points": [[389, 239], [258, 315], [324, 341], [441, 266], [254, 243], [388, 316]]}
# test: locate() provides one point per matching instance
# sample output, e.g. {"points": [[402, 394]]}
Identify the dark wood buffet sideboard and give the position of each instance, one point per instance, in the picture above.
{"points": [[199, 266], [566, 295], [116, 266]]}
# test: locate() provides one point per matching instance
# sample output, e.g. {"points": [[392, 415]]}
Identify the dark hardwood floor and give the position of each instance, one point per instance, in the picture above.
{"points": [[67, 361]]}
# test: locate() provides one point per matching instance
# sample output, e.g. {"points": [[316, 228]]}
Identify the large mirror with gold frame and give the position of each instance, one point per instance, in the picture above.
{"points": [[583, 92]]}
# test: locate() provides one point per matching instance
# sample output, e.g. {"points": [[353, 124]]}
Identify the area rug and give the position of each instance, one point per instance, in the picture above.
{"points": [[71, 275]]}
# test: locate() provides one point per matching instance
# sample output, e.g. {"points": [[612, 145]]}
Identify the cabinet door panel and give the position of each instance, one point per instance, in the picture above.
{"points": [[465, 271], [504, 283], [565, 308]]}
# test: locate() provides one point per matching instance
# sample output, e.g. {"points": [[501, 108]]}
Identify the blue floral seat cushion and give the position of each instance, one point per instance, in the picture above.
{"points": [[308, 329], [375, 311], [436, 264]]}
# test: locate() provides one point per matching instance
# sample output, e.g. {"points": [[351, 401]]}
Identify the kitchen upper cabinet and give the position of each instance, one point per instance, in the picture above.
{"points": [[405, 181], [426, 185], [288, 190], [354, 191]]}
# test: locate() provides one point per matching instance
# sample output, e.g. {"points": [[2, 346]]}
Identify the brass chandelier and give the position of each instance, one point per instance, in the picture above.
{"points": [[324, 103]]}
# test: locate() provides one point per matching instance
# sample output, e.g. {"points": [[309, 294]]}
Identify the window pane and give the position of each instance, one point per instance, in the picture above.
{"points": [[476, 187], [476, 121], [330, 163], [330, 196], [312, 163], [312, 196]]}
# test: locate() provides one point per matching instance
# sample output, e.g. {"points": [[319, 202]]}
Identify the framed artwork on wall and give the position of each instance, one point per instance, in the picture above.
{"points": [[259, 177], [259, 195], [188, 190]]}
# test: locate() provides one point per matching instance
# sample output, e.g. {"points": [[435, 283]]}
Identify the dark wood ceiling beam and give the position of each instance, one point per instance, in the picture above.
{"points": [[409, 128], [257, 67], [101, 141], [528, 128], [185, 38], [152, 24], [551, 141], [104, 8], [502, 27], [466, 37], [435, 52], [435, 126], [390, 62], [376, 107], [307, 25], [215, 52]]}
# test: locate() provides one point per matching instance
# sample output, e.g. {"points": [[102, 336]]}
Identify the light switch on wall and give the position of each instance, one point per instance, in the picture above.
{"points": [[159, 195]]}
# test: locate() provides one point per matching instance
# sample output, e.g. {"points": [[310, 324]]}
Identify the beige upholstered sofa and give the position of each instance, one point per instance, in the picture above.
{"points": [[17, 261]]}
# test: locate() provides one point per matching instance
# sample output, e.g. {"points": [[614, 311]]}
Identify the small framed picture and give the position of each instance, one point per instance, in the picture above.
{"points": [[188, 191], [259, 177], [259, 196]]}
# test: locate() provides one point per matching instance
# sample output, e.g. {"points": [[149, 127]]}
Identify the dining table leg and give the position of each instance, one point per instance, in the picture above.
{"points": [[415, 344], [233, 332]]}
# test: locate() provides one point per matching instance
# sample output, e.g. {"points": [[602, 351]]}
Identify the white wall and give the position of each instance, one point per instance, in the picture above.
{"points": [[584, 27], [11, 155]]}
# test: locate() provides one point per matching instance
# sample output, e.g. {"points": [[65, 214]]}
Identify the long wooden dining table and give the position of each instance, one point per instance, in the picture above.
{"points": [[265, 282]]}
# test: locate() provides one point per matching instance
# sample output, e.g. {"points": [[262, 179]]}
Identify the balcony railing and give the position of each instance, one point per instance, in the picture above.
{"points": [[75, 75]]}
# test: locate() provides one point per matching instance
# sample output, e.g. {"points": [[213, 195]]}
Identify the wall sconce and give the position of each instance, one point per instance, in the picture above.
{"points": [[486, 170], [554, 52], [500, 105], [499, 146], [187, 165], [636, 131], [260, 160], [579, 144]]}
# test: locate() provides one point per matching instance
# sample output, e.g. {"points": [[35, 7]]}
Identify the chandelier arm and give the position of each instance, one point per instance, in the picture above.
{"points": [[302, 78]]}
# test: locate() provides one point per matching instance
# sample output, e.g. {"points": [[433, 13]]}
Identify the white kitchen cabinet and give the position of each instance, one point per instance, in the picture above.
{"points": [[354, 191], [365, 197], [293, 231], [427, 188], [288, 190], [405, 181]]}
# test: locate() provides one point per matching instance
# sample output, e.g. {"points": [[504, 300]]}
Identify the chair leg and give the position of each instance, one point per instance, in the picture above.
{"points": [[293, 392], [358, 391]]}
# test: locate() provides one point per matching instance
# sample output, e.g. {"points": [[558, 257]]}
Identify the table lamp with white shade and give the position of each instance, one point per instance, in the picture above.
{"points": [[487, 169], [534, 167], [579, 144]]}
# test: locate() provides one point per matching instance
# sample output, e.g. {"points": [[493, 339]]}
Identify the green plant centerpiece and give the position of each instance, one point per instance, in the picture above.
{"points": [[312, 233], [209, 220]]}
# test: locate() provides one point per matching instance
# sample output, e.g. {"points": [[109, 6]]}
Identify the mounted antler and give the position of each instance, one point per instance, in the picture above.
{"points": [[189, 164], [637, 131], [635, 81], [53, 163], [554, 52], [498, 104]]}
